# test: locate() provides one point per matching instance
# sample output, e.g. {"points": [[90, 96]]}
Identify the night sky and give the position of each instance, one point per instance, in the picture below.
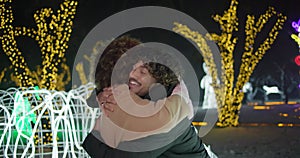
{"points": [[91, 12]]}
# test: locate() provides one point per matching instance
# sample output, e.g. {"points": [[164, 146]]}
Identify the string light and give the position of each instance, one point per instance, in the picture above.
{"points": [[207, 57], [230, 102], [296, 38], [251, 57], [297, 60], [80, 70], [2, 74], [9, 44], [92, 60], [52, 33], [296, 26], [70, 122]]}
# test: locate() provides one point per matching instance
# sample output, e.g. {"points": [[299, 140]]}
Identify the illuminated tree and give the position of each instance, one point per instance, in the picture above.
{"points": [[52, 33], [228, 95], [90, 64]]}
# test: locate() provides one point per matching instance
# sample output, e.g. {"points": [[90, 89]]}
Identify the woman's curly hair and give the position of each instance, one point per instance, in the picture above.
{"points": [[109, 58], [166, 74]]}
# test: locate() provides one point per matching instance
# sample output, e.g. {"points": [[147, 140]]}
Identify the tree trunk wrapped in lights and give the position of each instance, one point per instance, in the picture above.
{"points": [[229, 96]]}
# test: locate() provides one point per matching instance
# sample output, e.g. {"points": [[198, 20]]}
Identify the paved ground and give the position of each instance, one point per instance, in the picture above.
{"points": [[258, 142], [259, 135]]}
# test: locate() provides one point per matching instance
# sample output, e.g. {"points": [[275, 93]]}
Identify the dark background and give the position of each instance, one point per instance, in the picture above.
{"points": [[91, 12]]}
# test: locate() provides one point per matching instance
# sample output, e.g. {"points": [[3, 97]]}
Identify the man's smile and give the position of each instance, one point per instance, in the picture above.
{"points": [[133, 83]]}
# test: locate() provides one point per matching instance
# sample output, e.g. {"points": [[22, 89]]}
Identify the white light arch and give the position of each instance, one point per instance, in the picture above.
{"points": [[70, 117]]}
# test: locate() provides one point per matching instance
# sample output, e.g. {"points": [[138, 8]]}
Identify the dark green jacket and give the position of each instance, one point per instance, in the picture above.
{"points": [[187, 145]]}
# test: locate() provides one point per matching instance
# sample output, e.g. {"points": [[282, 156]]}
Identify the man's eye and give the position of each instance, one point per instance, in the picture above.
{"points": [[143, 71]]}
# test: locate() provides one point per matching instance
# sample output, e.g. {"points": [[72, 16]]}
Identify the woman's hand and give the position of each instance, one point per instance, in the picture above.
{"points": [[106, 101]]}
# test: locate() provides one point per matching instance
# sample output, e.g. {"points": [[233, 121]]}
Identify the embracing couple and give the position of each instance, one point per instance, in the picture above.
{"points": [[146, 108]]}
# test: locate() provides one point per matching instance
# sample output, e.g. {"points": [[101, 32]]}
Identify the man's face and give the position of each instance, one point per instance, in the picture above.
{"points": [[140, 80]]}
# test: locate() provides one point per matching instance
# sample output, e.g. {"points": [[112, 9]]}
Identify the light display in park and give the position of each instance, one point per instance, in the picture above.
{"points": [[67, 112], [91, 58], [296, 26], [52, 33], [229, 96]]}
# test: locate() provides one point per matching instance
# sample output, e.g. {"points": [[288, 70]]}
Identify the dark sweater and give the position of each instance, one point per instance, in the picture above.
{"points": [[187, 145]]}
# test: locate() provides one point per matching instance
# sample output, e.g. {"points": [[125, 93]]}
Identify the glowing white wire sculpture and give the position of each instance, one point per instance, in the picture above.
{"points": [[21, 115]]}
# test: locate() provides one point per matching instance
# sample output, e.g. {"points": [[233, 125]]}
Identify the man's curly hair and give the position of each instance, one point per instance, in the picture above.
{"points": [[114, 51], [161, 65]]}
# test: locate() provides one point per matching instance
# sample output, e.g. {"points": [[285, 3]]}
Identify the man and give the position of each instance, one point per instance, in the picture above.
{"points": [[160, 124]]}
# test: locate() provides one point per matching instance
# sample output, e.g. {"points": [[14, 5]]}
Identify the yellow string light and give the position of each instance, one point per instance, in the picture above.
{"points": [[52, 33], [2, 73], [296, 38], [207, 57], [229, 97], [97, 49], [80, 70]]}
